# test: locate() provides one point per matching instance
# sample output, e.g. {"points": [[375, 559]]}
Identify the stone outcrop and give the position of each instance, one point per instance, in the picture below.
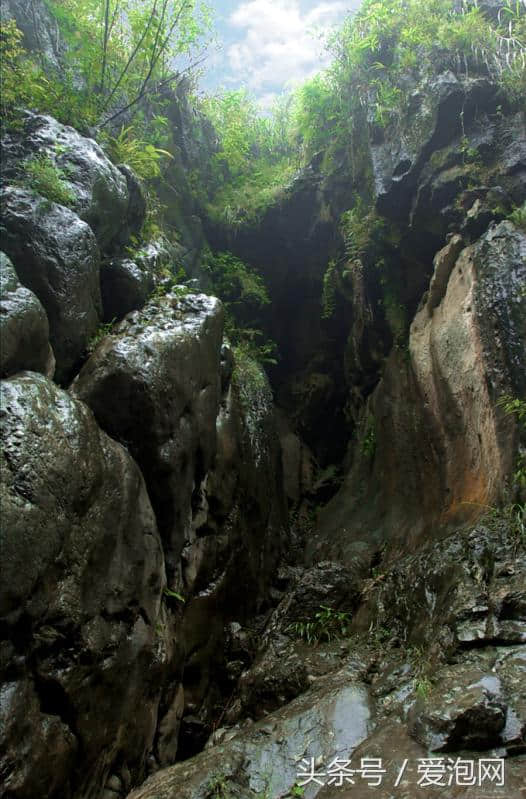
{"points": [[24, 329], [127, 283], [109, 200], [56, 256], [207, 445], [400, 685], [56, 250], [466, 350], [154, 385], [88, 640]]}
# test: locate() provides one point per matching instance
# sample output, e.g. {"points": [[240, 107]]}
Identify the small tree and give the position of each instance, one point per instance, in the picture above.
{"points": [[120, 51]]}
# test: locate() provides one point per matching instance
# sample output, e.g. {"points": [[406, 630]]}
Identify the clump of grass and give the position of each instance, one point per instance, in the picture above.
{"points": [[49, 180], [518, 217], [326, 625]]}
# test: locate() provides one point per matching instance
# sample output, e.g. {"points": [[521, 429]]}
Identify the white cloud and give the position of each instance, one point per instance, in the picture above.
{"points": [[278, 46]]}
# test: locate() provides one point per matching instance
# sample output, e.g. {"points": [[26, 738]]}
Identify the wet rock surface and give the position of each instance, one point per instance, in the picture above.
{"points": [[24, 329], [329, 721], [56, 256], [101, 195], [154, 386], [465, 350], [406, 688], [81, 603], [127, 283]]}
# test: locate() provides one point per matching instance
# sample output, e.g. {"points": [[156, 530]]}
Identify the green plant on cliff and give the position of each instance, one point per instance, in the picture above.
{"points": [[518, 217], [143, 157], [119, 52], [326, 625], [513, 406], [253, 163], [22, 80], [48, 180], [368, 441], [218, 787], [330, 286]]}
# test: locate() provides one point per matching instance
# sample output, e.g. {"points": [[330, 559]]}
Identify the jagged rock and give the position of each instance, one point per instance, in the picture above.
{"points": [[102, 195], [237, 536], [443, 264], [154, 385], [334, 717], [466, 710], [440, 399], [210, 457], [127, 283], [24, 329], [403, 760], [125, 286], [88, 640], [464, 591], [280, 670], [432, 120], [56, 256]]}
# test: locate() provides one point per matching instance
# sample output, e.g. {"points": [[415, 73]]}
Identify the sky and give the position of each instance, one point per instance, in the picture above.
{"points": [[269, 46]]}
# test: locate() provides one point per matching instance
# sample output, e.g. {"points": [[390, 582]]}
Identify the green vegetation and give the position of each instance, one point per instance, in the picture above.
{"points": [[144, 158], [326, 625], [253, 164], [218, 787], [518, 217], [513, 406], [330, 285], [389, 42], [368, 442], [118, 52], [174, 595], [49, 180], [23, 82], [101, 333]]}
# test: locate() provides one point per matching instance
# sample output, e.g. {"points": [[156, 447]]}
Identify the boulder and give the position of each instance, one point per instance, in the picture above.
{"points": [[466, 710], [24, 329], [108, 199], [56, 256], [265, 758], [88, 641], [154, 385], [127, 283]]}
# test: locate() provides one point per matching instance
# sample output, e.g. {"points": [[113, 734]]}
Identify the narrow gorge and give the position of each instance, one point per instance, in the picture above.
{"points": [[263, 473]]}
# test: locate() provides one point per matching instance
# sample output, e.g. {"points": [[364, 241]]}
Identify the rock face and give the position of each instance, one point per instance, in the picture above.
{"points": [[328, 722], [38, 26], [56, 256], [101, 194], [127, 283], [24, 329], [155, 386], [408, 689], [466, 349], [88, 640], [207, 445]]}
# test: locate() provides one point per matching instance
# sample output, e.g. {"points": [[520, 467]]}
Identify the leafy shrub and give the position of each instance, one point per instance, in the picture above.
{"points": [[518, 217], [513, 406], [330, 285], [235, 282], [22, 81], [327, 624], [100, 334], [141, 156], [49, 180]]}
